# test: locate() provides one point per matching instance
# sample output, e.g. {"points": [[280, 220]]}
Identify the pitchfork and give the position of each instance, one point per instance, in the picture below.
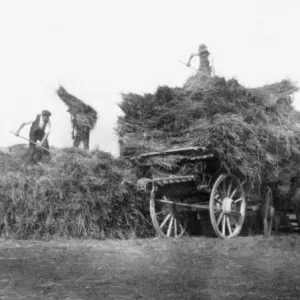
{"points": [[24, 138]]}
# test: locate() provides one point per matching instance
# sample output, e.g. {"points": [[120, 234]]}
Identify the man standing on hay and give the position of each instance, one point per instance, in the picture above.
{"points": [[83, 118], [38, 137], [204, 65]]}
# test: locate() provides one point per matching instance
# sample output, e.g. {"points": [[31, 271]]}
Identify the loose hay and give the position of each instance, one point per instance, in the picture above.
{"points": [[253, 131], [78, 194]]}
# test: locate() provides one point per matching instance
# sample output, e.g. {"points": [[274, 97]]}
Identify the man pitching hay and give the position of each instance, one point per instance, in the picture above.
{"points": [[204, 65], [81, 131], [38, 137], [83, 118]]}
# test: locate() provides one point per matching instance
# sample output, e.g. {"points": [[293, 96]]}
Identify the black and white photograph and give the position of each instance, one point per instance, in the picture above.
{"points": [[150, 149]]}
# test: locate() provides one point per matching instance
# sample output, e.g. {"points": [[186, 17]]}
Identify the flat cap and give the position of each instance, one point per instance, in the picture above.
{"points": [[46, 113]]}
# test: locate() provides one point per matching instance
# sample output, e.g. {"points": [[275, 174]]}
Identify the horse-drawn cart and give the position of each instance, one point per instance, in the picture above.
{"points": [[217, 197]]}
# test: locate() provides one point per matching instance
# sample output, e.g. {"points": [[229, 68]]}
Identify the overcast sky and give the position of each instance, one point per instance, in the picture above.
{"points": [[100, 49]]}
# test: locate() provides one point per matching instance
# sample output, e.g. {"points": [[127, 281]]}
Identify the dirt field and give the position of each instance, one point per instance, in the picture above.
{"points": [[188, 268]]}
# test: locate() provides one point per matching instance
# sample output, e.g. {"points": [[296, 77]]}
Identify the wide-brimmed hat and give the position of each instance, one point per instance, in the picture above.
{"points": [[203, 48], [46, 113]]}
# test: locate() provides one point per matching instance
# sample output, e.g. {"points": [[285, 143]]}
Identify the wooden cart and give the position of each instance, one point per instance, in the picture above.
{"points": [[216, 196]]}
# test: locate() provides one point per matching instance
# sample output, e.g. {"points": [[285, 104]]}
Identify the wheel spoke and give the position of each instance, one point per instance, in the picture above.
{"points": [[233, 193], [170, 227], [217, 199], [181, 228], [161, 212], [219, 218], [221, 194], [238, 200], [229, 189], [229, 226], [223, 188], [175, 227], [217, 210], [165, 221], [223, 225]]}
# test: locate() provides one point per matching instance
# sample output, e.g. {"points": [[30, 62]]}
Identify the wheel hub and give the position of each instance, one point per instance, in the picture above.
{"points": [[228, 205], [171, 208]]}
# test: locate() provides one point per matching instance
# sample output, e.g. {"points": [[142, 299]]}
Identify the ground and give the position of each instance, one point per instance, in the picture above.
{"points": [[187, 268]]}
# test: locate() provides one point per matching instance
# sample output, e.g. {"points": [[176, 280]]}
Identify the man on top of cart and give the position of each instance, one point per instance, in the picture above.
{"points": [[204, 64], [38, 136]]}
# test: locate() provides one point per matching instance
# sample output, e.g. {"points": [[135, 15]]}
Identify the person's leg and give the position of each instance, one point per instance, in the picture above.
{"points": [[77, 139], [31, 150], [86, 139], [45, 153], [38, 154]]}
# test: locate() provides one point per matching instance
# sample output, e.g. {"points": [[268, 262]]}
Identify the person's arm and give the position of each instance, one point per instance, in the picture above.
{"points": [[21, 126], [73, 125], [43, 140], [190, 59]]}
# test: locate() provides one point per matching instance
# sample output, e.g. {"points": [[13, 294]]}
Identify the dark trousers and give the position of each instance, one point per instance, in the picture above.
{"points": [[82, 135], [35, 155]]}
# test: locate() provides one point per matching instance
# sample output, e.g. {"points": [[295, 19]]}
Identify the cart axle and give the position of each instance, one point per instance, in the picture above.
{"points": [[204, 206]]}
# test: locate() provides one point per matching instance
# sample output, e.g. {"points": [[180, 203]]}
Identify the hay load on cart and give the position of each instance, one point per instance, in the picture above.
{"points": [[209, 137]]}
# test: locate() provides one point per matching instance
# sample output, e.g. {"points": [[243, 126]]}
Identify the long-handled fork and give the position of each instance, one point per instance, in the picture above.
{"points": [[24, 138]]}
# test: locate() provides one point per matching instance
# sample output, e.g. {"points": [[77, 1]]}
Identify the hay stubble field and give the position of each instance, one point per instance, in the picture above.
{"points": [[187, 268]]}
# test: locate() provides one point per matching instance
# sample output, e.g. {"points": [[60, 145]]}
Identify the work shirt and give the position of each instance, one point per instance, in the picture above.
{"points": [[41, 124]]}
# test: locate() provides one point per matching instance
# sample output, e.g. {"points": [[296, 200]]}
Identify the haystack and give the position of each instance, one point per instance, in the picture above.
{"points": [[254, 132], [78, 194]]}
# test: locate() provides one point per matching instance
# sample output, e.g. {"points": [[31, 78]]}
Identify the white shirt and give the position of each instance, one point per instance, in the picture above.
{"points": [[47, 128]]}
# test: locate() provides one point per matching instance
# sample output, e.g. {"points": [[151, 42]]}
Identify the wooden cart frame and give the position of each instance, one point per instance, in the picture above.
{"points": [[217, 197]]}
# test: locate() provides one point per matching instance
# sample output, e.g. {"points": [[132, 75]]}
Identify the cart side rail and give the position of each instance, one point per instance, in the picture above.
{"points": [[145, 183], [178, 151]]}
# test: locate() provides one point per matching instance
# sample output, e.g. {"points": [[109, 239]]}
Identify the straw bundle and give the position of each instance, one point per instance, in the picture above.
{"points": [[84, 114]]}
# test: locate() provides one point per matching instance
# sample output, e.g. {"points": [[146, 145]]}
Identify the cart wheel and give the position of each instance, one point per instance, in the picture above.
{"points": [[227, 206], [268, 212], [166, 219]]}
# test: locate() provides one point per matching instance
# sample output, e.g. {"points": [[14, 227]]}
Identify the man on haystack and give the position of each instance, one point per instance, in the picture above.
{"points": [[204, 65], [83, 118], [38, 137], [81, 129]]}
